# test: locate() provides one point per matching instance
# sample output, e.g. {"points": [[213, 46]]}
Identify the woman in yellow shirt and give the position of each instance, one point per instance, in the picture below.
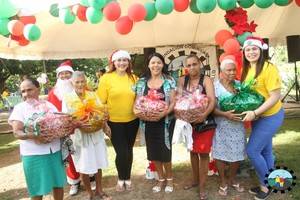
{"points": [[268, 117], [115, 90]]}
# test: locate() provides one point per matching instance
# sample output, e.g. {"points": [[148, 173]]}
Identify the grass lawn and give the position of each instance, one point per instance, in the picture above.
{"points": [[286, 147]]}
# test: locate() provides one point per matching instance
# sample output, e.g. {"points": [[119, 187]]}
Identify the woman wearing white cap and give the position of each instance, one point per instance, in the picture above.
{"points": [[229, 141], [268, 118], [115, 89]]}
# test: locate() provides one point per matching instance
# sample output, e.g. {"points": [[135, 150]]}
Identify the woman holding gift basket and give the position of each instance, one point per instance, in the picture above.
{"points": [[194, 83], [90, 155], [115, 90], [229, 141], [155, 101], [41, 155], [268, 117]]}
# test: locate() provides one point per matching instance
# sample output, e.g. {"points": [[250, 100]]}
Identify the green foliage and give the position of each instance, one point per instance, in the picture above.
{"points": [[13, 70]]}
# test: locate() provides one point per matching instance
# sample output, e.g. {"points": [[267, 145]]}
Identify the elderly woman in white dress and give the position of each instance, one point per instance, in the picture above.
{"points": [[90, 155], [229, 141]]}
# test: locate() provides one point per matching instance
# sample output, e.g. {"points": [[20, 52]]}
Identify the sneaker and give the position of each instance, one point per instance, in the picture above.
{"points": [[73, 190], [262, 195], [93, 185], [254, 190]]}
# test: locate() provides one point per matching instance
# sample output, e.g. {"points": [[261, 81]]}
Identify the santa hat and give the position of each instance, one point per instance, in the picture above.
{"points": [[65, 66], [256, 41], [225, 62], [120, 54]]}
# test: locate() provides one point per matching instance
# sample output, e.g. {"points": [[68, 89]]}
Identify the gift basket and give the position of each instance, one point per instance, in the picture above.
{"points": [[190, 105], [245, 99], [149, 105], [90, 114], [51, 125]]}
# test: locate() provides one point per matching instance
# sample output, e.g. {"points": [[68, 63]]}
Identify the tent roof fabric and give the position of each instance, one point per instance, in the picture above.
{"points": [[84, 40]]}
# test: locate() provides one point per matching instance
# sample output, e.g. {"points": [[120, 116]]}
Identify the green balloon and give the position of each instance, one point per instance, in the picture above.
{"points": [[32, 32], [3, 26], [7, 9], [54, 10], [246, 3], [164, 6], [97, 4], [263, 3], [84, 3], [242, 38], [206, 6], [151, 11], [66, 16], [193, 7], [281, 2], [93, 15], [227, 4]]}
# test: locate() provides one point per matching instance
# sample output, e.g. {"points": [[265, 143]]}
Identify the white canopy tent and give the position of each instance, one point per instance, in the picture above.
{"points": [[84, 40]]}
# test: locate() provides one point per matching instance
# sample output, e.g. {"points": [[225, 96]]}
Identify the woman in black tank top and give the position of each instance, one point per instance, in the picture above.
{"points": [[202, 142]]}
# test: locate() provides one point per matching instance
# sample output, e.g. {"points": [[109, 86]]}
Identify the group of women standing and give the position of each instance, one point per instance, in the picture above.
{"points": [[119, 88]]}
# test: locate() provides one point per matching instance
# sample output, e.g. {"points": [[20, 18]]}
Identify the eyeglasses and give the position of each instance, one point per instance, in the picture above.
{"points": [[192, 65]]}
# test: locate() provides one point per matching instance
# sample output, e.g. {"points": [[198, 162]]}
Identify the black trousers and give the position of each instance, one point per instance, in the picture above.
{"points": [[123, 135]]}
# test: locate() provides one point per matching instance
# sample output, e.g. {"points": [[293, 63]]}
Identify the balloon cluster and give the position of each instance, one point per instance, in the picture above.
{"points": [[237, 19], [94, 10], [21, 29]]}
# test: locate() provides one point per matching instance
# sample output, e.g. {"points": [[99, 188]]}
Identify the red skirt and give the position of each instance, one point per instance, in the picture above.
{"points": [[202, 142]]}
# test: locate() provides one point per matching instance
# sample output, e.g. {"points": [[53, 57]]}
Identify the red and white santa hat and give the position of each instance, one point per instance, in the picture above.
{"points": [[256, 41], [64, 66]]}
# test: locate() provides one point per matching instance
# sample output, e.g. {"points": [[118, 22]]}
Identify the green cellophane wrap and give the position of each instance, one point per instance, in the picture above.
{"points": [[245, 99]]}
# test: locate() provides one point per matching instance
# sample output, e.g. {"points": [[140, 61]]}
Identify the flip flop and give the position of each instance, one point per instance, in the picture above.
{"points": [[187, 187], [104, 196]]}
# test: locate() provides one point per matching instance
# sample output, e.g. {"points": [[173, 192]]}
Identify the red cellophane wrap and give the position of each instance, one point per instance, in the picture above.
{"points": [[149, 105], [51, 125], [190, 105]]}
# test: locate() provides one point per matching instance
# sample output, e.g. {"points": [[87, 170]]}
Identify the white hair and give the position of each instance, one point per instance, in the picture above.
{"points": [[77, 74], [226, 62]]}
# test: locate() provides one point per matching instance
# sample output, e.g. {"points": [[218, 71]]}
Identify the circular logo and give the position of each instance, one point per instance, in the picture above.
{"points": [[280, 179]]}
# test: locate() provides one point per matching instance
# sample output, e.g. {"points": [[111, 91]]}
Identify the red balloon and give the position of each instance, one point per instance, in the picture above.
{"points": [[137, 12], [112, 11], [181, 5], [222, 57], [124, 25], [239, 61], [231, 46], [222, 36], [297, 2], [81, 13], [15, 27], [28, 19], [24, 42]]}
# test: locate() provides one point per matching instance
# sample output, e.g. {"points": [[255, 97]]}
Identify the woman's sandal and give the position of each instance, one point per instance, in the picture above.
{"points": [[169, 187], [120, 188], [238, 187], [158, 186], [203, 196], [223, 191], [128, 186], [192, 185], [104, 196]]}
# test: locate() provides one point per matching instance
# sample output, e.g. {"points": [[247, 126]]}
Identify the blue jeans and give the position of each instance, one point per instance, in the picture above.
{"points": [[259, 147]]}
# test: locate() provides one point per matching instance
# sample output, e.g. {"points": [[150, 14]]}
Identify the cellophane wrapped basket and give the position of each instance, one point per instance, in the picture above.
{"points": [[150, 104], [190, 105], [244, 100], [92, 114], [51, 125]]}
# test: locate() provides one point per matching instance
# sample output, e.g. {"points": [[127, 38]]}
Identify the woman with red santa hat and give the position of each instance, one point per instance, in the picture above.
{"points": [[63, 86]]}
